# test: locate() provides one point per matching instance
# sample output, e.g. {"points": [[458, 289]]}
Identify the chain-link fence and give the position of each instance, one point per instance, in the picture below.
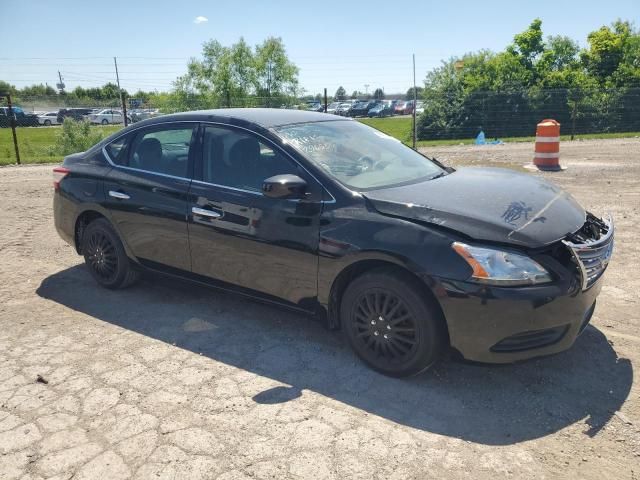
{"points": [[499, 114], [516, 113], [460, 116]]}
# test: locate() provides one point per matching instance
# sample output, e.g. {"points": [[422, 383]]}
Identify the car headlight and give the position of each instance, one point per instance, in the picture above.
{"points": [[502, 268]]}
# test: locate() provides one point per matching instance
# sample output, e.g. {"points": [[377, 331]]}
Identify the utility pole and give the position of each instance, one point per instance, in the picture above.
{"points": [[61, 84], [415, 101], [366, 89], [124, 106], [325, 100], [12, 121]]}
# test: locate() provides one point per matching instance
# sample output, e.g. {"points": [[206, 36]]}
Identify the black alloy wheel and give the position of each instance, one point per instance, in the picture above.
{"points": [[385, 326], [105, 256], [101, 255], [392, 323]]}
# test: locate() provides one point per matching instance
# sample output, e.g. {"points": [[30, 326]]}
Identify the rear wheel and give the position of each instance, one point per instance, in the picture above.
{"points": [[105, 256], [391, 324]]}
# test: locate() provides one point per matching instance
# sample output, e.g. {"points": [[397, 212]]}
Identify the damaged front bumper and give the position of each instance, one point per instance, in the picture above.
{"points": [[507, 324]]}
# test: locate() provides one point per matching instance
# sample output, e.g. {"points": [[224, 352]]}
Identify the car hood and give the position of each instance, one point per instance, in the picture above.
{"points": [[490, 204]]}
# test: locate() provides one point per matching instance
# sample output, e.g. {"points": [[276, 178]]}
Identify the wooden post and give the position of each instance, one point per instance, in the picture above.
{"points": [[12, 122]]}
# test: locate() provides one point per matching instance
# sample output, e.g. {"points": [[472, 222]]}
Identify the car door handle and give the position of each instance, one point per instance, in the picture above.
{"points": [[206, 213], [119, 195]]}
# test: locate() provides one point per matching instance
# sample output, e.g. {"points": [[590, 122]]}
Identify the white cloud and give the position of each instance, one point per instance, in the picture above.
{"points": [[200, 19]]}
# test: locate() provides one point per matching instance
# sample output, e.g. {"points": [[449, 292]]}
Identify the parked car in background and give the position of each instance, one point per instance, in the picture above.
{"points": [[333, 107], [22, 118], [407, 257], [48, 119], [398, 109], [420, 107], [381, 109], [393, 106], [408, 107], [361, 109], [74, 113], [343, 109], [315, 106], [106, 117], [140, 114]]}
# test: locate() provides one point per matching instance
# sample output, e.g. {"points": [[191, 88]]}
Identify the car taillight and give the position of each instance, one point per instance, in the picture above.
{"points": [[58, 174]]}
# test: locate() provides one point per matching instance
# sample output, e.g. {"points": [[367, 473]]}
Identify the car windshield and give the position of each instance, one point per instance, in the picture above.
{"points": [[359, 156]]}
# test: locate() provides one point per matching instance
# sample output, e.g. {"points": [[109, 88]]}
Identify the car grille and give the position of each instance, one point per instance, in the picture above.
{"points": [[591, 248]]}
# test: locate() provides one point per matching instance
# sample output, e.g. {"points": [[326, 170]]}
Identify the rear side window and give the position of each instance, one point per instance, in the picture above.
{"points": [[163, 151]]}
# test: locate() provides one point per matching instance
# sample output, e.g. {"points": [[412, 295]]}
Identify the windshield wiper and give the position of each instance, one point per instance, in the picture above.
{"points": [[441, 174]]}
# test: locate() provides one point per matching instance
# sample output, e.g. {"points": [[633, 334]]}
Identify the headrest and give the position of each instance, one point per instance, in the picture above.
{"points": [[149, 152], [245, 152]]}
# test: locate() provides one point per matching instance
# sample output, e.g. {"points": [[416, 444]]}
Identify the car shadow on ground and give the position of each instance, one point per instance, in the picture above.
{"points": [[494, 405]]}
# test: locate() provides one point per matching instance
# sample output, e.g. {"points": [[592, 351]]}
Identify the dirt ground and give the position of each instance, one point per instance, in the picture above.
{"points": [[171, 381]]}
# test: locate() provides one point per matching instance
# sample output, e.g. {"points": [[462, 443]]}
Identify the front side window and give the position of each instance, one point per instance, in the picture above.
{"points": [[163, 151], [238, 159], [117, 150], [359, 156]]}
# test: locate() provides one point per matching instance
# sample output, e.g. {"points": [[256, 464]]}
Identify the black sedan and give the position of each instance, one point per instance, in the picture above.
{"points": [[330, 217], [361, 109]]}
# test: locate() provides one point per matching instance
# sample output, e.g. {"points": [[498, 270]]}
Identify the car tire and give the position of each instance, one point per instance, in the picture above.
{"points": [[105, 121], [105, 256], [391, 324], [47, 123]]}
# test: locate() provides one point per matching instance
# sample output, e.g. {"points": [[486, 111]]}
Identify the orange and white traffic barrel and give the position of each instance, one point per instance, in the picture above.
{"points": [[547, 156]]}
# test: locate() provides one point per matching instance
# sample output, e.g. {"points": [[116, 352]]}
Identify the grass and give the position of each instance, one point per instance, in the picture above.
{"points": [[34, 144], [397, 127]]}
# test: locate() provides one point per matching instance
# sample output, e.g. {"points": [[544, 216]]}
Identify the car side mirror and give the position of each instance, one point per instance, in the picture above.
{"points": [[284, 186]]}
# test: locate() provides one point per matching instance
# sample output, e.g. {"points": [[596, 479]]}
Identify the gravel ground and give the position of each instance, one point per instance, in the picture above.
{"points": [[168, 380]]}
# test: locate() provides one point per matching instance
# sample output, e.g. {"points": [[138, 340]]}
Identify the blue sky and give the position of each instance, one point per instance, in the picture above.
{"points": [[334, 43]]}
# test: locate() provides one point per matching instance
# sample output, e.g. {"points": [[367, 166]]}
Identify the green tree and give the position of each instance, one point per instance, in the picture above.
{"points": [[378, 94], [230, 75], [223, 73], [409, 94], [560, 53], [7, 88], [606, 49], [276, 75], [528, 45], [39, 90], [508, 92], [341, 93]]}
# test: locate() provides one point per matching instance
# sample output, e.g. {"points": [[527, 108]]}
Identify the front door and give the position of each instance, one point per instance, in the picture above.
{"points": [[147, 190], [241, 237]]}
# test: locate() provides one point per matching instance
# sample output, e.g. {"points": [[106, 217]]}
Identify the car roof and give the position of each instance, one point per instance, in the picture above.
{"points": [[265, 117]]}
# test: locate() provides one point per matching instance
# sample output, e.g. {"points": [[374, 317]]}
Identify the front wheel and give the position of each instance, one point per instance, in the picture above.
{"points": [[105, 256], [391, 324], [105, 121], [47, 123]]}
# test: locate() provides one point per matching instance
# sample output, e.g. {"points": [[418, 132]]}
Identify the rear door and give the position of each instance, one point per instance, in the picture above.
{"points": [[239, 236], [147, 190]]}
